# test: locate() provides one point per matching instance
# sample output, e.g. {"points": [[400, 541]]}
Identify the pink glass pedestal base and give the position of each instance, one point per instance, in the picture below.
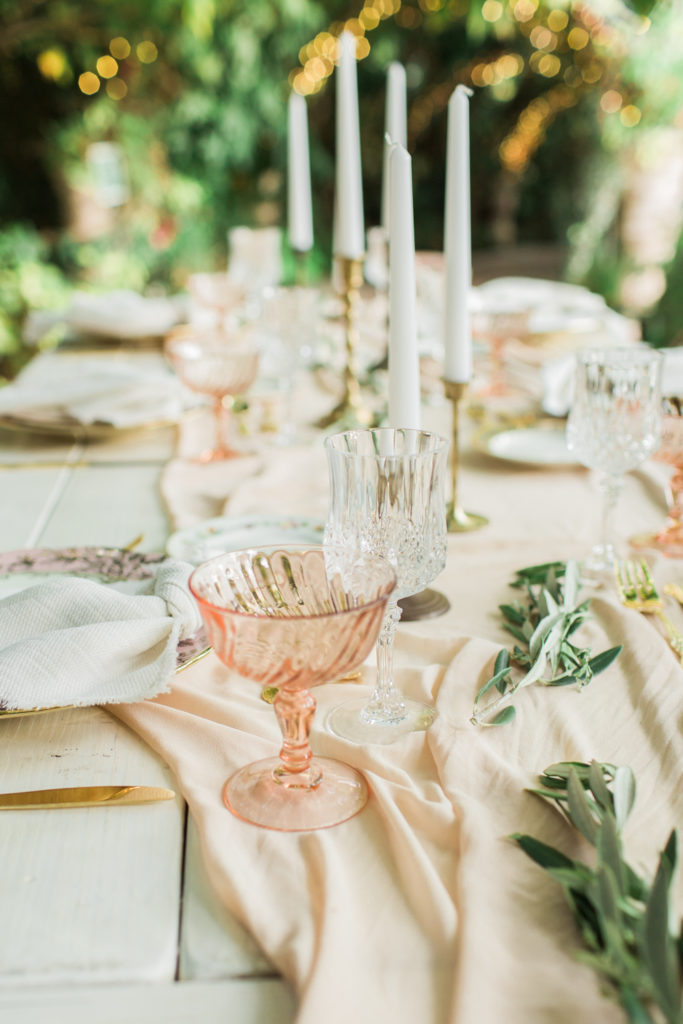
{"points": [[254, 794]]}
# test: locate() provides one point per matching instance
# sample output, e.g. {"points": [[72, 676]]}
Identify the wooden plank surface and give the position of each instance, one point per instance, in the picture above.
{"points": [[95, 896], [241, 1001], [88, 894]]}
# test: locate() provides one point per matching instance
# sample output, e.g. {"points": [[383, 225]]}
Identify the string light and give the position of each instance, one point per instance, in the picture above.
{"points": [[146, 52], [88, 83], [119, 47], [106, 67]]}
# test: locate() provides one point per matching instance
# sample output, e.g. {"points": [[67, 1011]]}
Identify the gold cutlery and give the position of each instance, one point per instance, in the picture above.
{"points": [[83, 796], [637, 590]]}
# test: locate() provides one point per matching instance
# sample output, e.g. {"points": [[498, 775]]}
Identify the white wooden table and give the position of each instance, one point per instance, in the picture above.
{"points": [[106, 912]]}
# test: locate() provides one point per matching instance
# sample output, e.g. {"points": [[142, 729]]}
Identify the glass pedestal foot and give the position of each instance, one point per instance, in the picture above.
{"points": [[262, 795], [345, 721]]}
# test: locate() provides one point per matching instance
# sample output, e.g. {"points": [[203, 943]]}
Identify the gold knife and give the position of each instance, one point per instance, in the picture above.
{"points": [[82, 796]]}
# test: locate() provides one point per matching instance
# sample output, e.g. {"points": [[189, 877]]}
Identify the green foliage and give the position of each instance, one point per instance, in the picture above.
{"points": [[28, 280], [626, 925], [544, 624]]}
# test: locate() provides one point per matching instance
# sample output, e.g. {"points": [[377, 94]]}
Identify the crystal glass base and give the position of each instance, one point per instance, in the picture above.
{"points": [[328, 793], [346, 721]]}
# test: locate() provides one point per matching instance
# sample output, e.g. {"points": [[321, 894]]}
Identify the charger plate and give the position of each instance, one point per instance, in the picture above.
{"points": [[542, 445], [27, 566]]}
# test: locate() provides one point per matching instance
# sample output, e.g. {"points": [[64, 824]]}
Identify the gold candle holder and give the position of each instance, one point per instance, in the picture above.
{"points": [[300, 267], [457, 520], [349, 411]]}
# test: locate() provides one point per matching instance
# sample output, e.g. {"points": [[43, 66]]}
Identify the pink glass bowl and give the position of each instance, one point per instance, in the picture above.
{"points": [[288, 618]]}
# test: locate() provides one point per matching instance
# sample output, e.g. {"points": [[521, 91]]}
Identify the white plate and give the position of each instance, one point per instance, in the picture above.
{"points": [[226, 533], [538, 446]]}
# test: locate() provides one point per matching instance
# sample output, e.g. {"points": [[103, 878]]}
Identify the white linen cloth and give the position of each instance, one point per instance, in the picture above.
{"points": [[421, 909], [76, 641], [99, 389]]}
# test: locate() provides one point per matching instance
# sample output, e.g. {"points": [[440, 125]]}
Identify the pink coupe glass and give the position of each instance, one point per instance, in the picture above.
{"points": [[209, 363], [287, 617], [669, 539]]}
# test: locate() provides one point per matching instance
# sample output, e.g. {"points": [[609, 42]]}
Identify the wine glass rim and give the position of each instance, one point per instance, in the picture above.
{"points": [[626, 354], [332, 442], [199, 343], [270, 549]]}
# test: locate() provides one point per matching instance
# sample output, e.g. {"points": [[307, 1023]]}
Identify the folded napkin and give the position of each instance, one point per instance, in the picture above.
{"points": [[117, 314], [75, 641], [96, 390]]}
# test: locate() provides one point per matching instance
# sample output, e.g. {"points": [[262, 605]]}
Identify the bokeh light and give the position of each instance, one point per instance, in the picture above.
{"points": [[146, 52], [106, 67], [119, 47], [611, 101], [116, 88], [88, 83]]}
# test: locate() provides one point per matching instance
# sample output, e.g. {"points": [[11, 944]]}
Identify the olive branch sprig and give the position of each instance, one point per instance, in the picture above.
{"points": [[543, 624], [625, 920]]}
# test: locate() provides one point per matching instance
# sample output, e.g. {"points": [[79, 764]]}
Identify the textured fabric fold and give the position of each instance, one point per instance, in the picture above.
{"points": [[77, 641], [421, 908]]}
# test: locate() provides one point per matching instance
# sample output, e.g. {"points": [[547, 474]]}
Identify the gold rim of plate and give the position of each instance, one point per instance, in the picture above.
{"points": [[73, 429]]}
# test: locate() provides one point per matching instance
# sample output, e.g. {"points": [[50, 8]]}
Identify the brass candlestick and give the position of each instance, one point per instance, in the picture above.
{"points": [[300, 267], [457, 520], [349, 412]]}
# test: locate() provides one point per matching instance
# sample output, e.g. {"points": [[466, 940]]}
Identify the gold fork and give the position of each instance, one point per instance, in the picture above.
{"points": [[637, 590]]}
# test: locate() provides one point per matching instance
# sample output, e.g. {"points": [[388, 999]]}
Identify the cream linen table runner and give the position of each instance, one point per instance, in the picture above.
{"points": [[421, 909]]}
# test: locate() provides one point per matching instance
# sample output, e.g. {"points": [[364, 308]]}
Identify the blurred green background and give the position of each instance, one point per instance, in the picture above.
{"points": [[576, 137]]}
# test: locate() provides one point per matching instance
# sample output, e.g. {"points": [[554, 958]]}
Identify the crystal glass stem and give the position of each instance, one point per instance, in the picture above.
{"points": [[294, 711], [385, 704], [602, 555]]}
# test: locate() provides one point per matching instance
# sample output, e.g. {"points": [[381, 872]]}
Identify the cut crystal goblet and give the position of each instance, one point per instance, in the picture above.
{"points": [[613, 426], [387, 499], [287, 617]]}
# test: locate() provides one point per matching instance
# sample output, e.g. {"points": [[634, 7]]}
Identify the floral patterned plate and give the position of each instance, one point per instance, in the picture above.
{"points": [[231, 533]]}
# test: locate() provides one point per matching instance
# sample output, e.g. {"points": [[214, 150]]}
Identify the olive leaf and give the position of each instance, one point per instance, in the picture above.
{"points": [[624, 920], [544, 625]]}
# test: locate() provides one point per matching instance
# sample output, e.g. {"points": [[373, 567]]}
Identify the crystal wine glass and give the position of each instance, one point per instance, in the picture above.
{"points": [[669, 540], [287, 617], [387, 499], [614, 425], [209, 363]]}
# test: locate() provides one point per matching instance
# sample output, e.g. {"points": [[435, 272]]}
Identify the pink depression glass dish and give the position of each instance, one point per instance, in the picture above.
{"points": [[289, 618]]}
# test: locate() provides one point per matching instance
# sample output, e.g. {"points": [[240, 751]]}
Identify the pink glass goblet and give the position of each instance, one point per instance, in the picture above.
{"points": [[287, 617], [496, 327], [669, 540], [209, 363]]}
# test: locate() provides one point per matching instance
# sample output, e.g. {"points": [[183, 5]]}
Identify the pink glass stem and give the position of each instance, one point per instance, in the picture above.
{"points": [[294, 710], [673, 530], [223, 417], [385, 704]]}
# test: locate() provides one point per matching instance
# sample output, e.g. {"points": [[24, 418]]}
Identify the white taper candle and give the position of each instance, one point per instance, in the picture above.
{"points": [[458, 241], [349, 227], [299, 202], [395, 128], [404, 365]]}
